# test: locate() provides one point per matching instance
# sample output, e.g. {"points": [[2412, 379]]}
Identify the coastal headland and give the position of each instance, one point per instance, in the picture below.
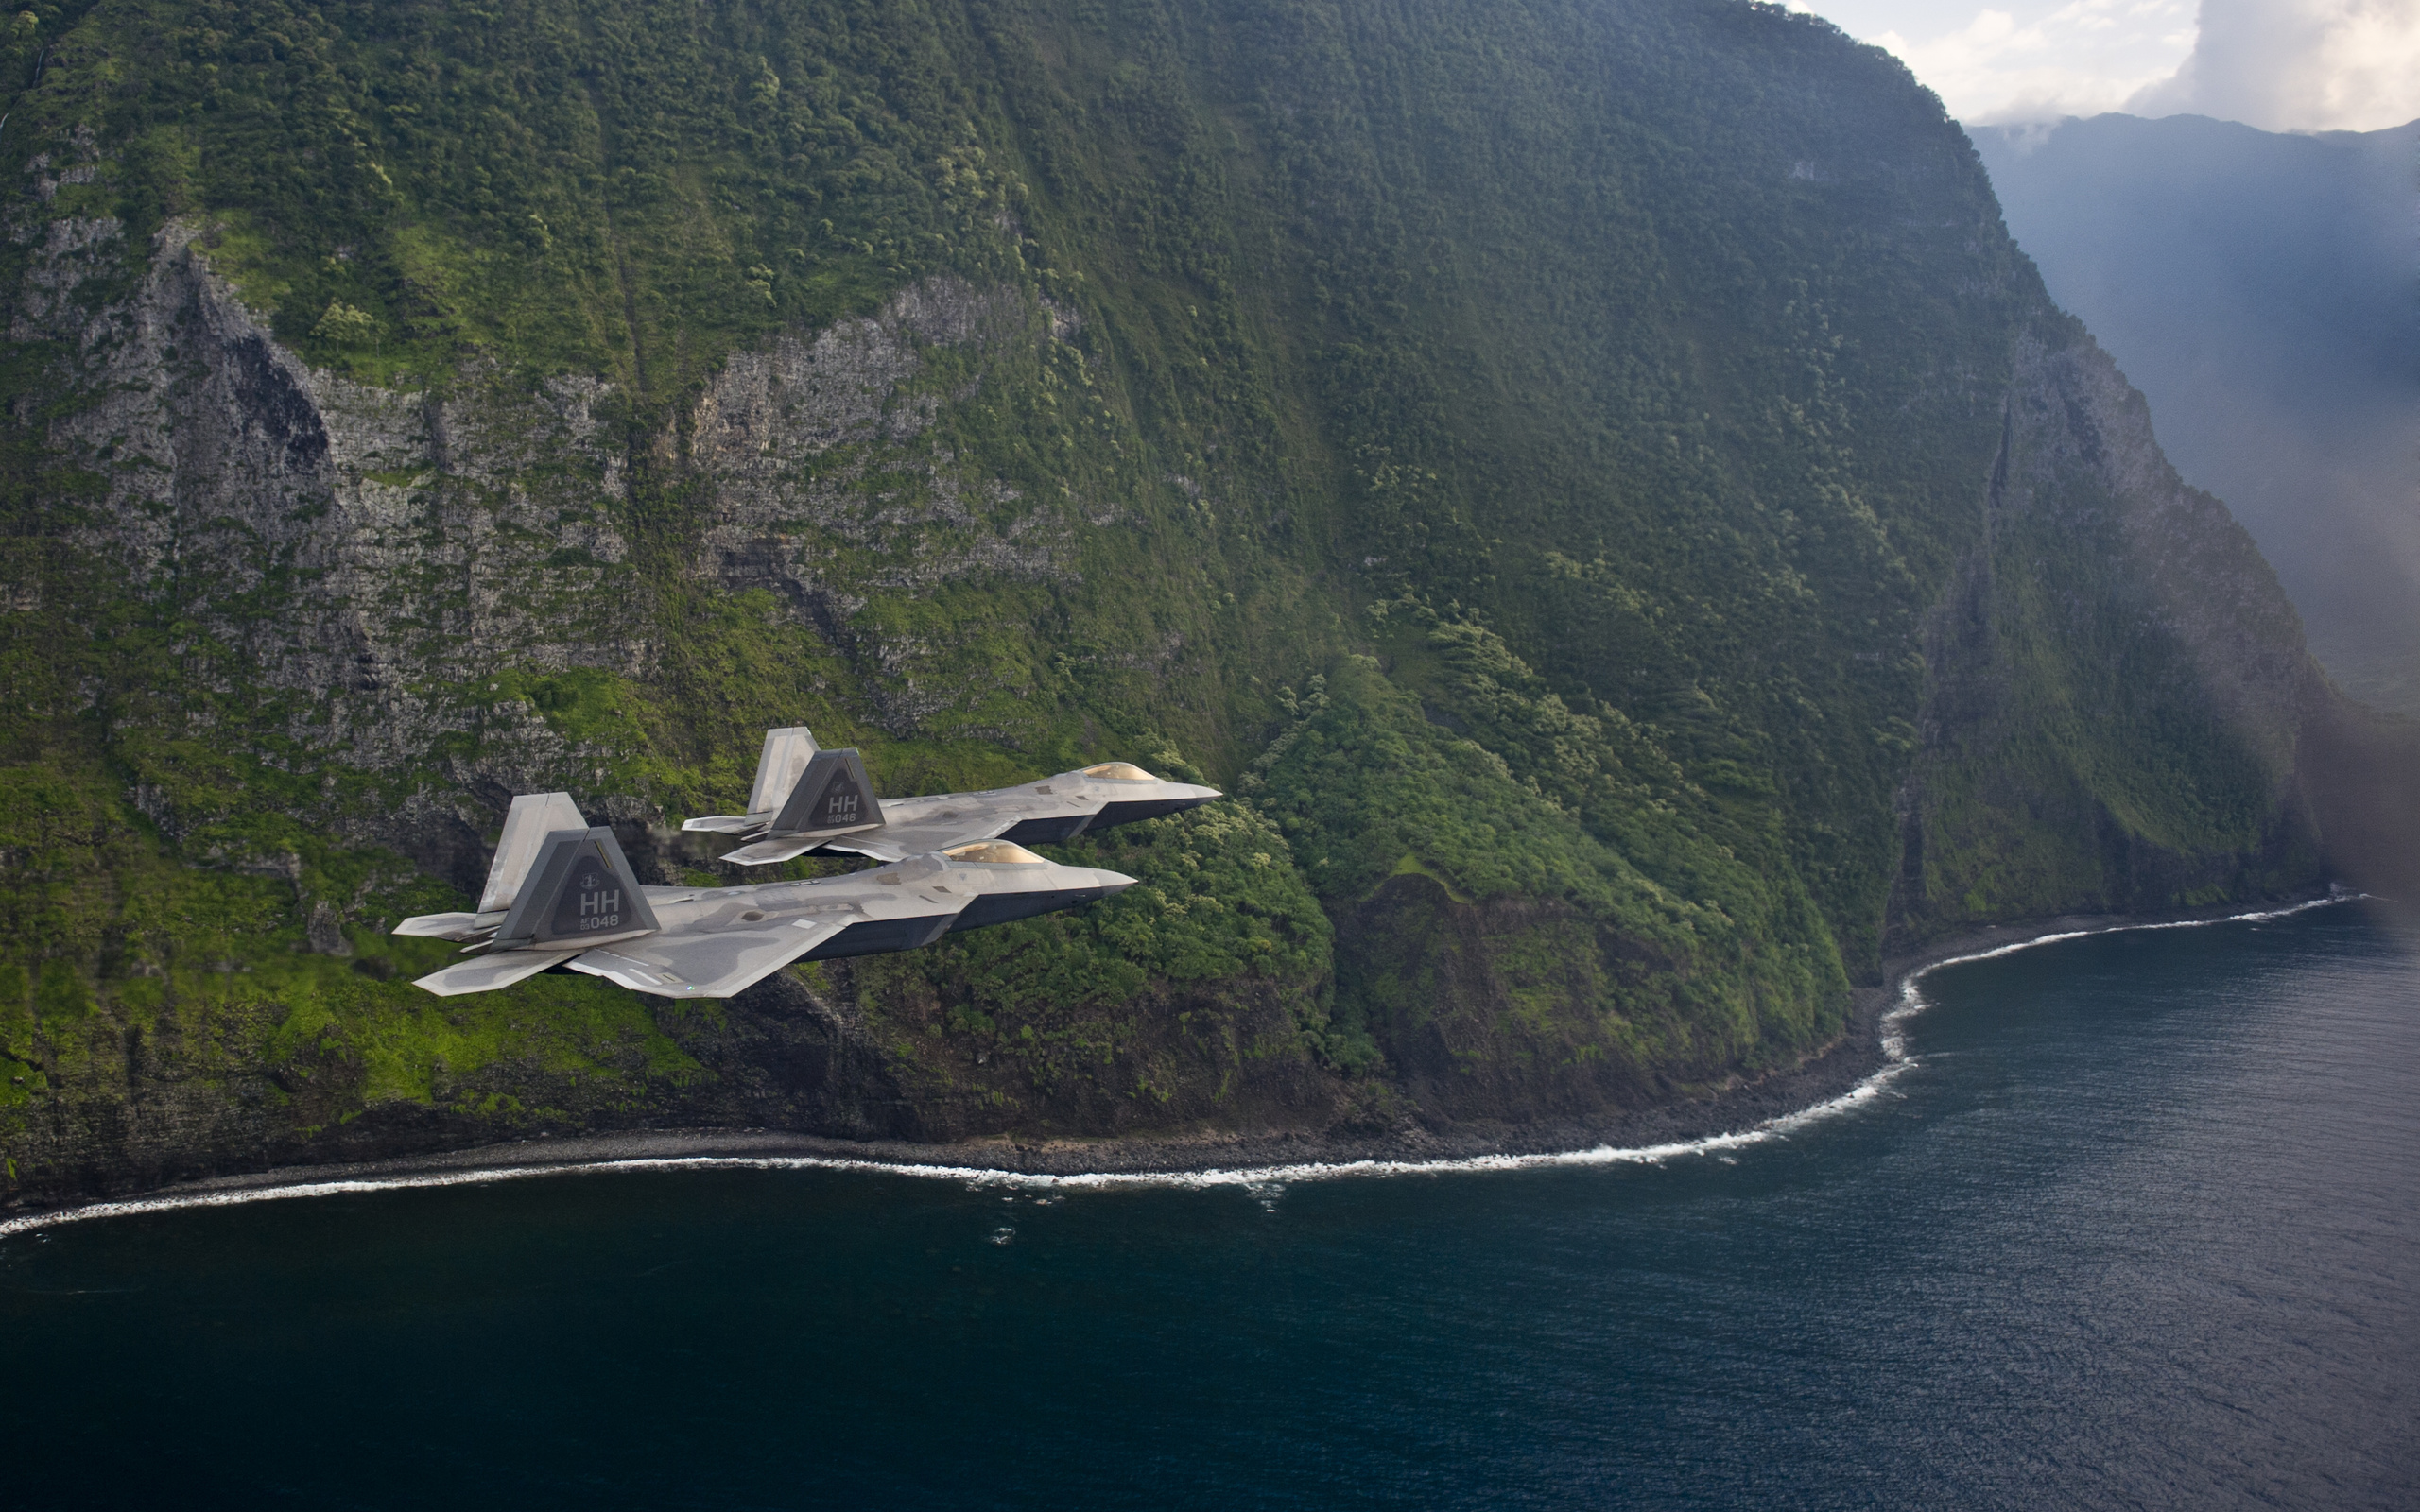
{"points": [[1597, 485]]}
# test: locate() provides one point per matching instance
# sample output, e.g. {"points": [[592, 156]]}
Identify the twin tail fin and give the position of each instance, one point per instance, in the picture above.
{"points": [[803, 796], [532, 817], [556, 887]]}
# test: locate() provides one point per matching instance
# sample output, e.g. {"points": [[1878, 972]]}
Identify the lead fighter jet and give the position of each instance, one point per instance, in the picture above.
{"points": [[806, 800], [561, 893]]}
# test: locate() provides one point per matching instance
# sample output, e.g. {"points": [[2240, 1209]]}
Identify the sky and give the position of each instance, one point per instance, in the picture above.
{"points": [[2282, 65]]}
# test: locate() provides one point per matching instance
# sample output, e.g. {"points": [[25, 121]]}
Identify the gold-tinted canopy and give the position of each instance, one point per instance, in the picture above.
{"points": [[994, 853]]}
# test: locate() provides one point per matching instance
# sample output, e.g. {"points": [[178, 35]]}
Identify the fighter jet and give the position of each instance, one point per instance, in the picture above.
{"points": [[806, 800], [561, 893]]}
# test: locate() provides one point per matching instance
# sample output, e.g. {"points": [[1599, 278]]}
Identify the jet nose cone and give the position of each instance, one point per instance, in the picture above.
{"points": [[1112, 882], [1193, 794]]}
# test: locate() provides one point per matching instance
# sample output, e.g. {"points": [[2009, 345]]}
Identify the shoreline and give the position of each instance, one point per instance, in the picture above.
{"points": [[1869, 1051]]}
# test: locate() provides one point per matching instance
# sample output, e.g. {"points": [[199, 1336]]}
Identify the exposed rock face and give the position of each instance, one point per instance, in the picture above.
{"points": [[356, 555], [366, 555], [2257, 286], [2081, 436], [825, 484]]}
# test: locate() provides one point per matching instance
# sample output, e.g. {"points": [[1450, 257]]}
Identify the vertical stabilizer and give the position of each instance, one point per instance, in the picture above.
{"points": [[784, 760], [581, 890], [833, 794], [533, 817]]}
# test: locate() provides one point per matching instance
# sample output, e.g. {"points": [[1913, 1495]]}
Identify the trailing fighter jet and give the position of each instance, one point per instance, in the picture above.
{"points": [[808, 800], [561, 893]]}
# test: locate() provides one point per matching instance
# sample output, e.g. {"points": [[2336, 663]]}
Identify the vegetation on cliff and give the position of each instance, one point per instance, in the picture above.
{"points": [[1526, 451]]}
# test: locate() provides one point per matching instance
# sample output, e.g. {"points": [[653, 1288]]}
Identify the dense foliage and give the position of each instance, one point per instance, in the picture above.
{"points": [[1515, 445]]}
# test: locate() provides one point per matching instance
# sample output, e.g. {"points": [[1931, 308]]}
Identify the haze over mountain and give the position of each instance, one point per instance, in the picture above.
{"points": [[2283, 65], [1597, 482], [2263, 291]]}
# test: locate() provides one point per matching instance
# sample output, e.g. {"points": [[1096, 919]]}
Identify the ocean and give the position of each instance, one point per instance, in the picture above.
{"points": [[2137, 1225]]}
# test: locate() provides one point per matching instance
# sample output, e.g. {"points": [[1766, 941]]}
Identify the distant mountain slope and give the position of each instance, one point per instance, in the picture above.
{"points": [[2263, 291]]}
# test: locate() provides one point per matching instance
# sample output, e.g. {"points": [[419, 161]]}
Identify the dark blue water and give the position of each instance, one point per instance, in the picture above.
{"points": [[2141, 1229]]}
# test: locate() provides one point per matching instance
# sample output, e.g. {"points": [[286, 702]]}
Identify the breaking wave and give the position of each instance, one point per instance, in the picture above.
{"points": [[1263, 1179]]}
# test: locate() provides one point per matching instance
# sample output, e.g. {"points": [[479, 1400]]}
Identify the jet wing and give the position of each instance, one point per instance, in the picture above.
{"points": [[761, 853], [764, 853], [920, 826], [714, 964], [895, 841]]}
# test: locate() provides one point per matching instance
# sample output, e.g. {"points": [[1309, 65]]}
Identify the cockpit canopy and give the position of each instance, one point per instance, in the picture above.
{"points": [[1120, 772], [994, 853]]}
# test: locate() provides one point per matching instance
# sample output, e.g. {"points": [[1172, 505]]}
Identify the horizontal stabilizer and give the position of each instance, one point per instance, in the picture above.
{"points": [[448, 926], [765, 852], [718, 965], [721, 824], [485, 974]]}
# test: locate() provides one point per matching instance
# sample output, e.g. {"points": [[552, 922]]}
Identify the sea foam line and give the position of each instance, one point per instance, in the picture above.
{"points": [[1897, 1061]]}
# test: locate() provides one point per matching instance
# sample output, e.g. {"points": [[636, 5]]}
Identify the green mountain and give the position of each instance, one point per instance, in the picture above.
{"points": [[1596, 480]]}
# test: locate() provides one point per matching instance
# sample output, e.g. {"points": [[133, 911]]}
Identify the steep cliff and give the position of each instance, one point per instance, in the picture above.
{"points": [[2118, 692], [1595, 482]]}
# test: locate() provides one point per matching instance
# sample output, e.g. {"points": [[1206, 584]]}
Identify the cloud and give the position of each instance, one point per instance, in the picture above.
{"points": [[2031, 63], [2287, 65]]}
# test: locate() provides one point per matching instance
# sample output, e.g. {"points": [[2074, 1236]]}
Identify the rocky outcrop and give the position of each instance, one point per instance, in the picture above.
{"points": [[828, 484], [356, 563], [347, 562]]}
